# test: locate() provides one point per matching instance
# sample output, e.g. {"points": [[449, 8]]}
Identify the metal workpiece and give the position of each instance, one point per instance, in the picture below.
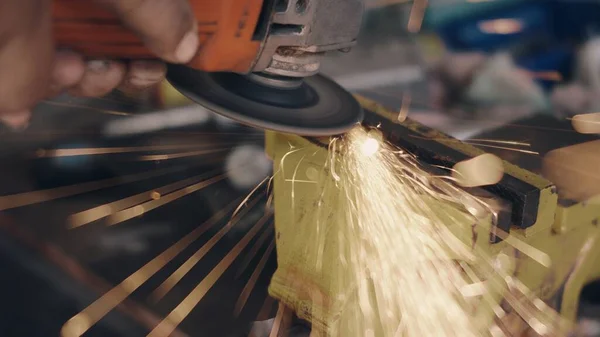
{"points": [[525, 190], [301, 31], [498, 209]]}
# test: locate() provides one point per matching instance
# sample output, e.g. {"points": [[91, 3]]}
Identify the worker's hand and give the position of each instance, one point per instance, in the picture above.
{"points": [[31, 69]]}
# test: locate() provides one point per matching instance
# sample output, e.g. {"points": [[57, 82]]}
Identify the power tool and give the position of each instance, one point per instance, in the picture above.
{"points": [[258, 60]]}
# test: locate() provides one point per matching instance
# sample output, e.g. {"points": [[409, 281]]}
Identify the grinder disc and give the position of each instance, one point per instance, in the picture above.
{"points": [[314, 106]]}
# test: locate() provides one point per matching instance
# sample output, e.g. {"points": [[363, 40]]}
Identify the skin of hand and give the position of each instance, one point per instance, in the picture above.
{"points": [[32, 69]]}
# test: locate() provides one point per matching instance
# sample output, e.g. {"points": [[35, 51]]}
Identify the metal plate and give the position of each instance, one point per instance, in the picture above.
{"points": [[321, 108]]}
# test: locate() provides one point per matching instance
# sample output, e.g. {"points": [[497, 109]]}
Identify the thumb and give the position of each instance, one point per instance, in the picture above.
{"points": [[168, 27], [26, 56]]}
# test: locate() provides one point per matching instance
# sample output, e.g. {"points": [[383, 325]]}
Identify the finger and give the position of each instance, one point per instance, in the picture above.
{"points": [[17, 120], [100, 78], [143, 75], [69, 68], [26, 53], [168, 27]]}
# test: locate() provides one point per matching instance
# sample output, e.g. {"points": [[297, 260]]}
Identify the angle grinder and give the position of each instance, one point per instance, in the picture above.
{"points": [[258, 60]]}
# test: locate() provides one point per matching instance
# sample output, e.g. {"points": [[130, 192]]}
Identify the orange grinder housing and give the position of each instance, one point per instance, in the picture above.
{"points": [[227, 28], [278, 44]]}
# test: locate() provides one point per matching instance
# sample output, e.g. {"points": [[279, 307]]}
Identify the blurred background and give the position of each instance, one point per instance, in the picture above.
{"points": [[138, 190]]}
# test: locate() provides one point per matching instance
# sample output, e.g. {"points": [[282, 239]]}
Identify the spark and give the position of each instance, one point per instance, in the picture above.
{"points": [[254, 250], [266, 309], [369, 147], [293, 180], [282, 161], [474, 290], [587, 123], [239, 305], [180, 155], [43, 153], [487, 297], [145, 207], [396, 251], [498, 122], [499, 141], [78, 273], [301, 181], [504, 148], [280, 318], [183, 309], [485, 169], [34, 197], [531, 310], [404, 108], [241, 205], [399, 260], [417, 13], [185, 268], [486, 143], [535, 254], [88, 317], [102, 211]]}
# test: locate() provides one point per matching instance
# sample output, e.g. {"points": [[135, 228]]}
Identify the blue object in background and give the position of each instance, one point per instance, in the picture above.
{"points": [[546, 39], [575, 20], [559, 59], [467, 33]]}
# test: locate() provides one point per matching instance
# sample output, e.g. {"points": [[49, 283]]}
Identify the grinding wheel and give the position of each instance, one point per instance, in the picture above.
{"points": [[314, 106]]}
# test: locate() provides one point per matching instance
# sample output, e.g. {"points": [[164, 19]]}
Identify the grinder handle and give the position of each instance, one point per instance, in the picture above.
{"points": [[226, 29]]}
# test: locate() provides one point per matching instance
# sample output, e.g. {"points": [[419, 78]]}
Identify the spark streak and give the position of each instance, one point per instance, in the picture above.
{"points": [[535, 254], [404, 109], [486, 143], [138, 210], [252, 281], [417, 13], [263, 237], [393, 235], [499, 141], [587, 123], [175, 317], [266, 309], [99, 212], [55, 153], [504, 148], [180, 155], [398, 264], [34, 197], [82, 322], [185, 268], [279, 323]]}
